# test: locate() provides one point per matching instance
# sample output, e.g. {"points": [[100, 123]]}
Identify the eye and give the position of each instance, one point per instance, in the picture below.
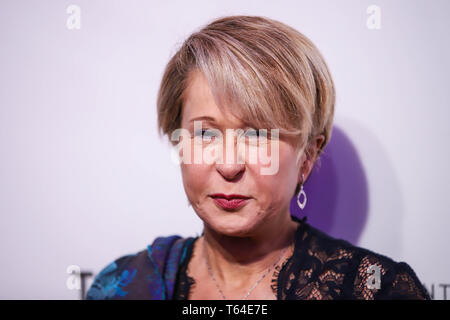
{"points": [[205, 133], [251, 133], [257, 133]]}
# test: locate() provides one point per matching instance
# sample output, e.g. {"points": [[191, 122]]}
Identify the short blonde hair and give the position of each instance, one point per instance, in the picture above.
{"points": [[264, 72]]}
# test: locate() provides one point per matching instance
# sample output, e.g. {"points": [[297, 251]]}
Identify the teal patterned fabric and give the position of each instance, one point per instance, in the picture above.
{"points": [[148, 274]]}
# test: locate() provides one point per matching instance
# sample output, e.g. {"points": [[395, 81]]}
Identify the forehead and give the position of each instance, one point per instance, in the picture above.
{"points": [[198, 101]]}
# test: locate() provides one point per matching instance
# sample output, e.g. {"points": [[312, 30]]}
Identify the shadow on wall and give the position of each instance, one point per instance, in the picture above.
{"points": [[323, 190]]}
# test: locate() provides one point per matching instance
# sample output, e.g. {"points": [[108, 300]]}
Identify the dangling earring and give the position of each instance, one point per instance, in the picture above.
{"points": [[302, 204]]}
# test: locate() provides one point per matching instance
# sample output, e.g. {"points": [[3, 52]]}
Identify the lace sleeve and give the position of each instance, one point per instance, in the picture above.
{"points": [[405, 285], [397, 281], [324, 268]]}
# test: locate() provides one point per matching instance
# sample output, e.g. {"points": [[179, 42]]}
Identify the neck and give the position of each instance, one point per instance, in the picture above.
{"points": [[238, 261]]}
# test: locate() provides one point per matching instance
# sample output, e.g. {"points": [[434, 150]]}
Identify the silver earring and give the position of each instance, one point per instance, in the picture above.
{"points": [[302, 192]]}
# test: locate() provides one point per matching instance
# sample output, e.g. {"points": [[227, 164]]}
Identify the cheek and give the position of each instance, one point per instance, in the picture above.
{"points": [[288, 158], [194, 179], [271, 190], [280, 185]]}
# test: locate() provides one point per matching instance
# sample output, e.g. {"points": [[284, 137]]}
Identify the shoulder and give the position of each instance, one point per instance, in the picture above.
{"points": [[146, 274], [347, 271], [109, 282]]}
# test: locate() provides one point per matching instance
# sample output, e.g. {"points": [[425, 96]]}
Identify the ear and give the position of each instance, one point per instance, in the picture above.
{"points": [[320, 140], [303, 168], [306, 164]]}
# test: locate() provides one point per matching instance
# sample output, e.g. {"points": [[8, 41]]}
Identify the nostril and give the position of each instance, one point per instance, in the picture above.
{"points": [[234, 178], [231, 173]]}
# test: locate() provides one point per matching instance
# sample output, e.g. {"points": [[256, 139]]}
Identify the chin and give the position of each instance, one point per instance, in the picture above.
{"points": [[231, 224]]}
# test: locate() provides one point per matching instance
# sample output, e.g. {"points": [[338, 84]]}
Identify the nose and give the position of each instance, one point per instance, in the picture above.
{"points": [[231, 172]]}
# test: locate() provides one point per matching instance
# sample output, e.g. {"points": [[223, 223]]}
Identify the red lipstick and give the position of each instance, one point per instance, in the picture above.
{"points": [[231, 201]]}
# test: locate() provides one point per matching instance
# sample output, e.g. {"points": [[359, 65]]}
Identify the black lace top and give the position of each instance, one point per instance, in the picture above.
{"points": [[323, 267]]}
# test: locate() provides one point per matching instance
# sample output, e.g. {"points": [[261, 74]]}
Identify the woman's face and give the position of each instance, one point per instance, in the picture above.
{"points": [[269, 194]]}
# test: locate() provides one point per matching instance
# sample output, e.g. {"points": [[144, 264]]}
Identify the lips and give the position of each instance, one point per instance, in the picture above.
{"points": [[229, 196], [230, 202]]}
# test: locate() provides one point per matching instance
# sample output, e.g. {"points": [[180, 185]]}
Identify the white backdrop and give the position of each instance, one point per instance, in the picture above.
{"points": [[84, 177]]}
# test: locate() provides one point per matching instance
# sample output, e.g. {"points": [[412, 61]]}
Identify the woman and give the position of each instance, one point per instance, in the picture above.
{"points": [[235, 76]]}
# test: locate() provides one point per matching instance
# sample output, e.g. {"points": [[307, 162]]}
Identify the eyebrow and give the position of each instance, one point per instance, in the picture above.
{"points": [[212, 120], [207, 118]]}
